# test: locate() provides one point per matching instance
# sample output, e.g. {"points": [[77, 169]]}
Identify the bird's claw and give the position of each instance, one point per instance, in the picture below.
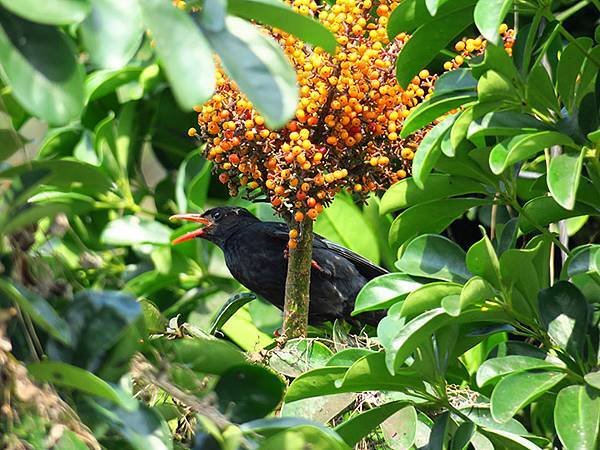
{"points": [[315, 265]]}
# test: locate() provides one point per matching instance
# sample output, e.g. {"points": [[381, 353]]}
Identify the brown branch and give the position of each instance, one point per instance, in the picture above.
{"points": [[297, 284]]}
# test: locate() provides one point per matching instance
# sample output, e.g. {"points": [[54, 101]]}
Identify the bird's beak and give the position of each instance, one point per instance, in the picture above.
{"points": [[192, 234]]}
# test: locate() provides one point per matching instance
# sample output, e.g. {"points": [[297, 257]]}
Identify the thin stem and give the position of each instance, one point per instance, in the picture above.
{"points": [[572, 39], [541, 229], [297, 284], [562, 16], [596, 3]]}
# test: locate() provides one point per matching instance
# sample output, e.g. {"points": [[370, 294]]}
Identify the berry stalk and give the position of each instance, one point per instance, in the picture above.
{"points": [[297, 284]]}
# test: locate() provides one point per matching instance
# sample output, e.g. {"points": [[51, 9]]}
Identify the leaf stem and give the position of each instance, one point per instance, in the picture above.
{"points": [[527, 53]]}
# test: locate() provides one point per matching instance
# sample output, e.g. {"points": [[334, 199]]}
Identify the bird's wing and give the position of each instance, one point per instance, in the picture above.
{"points": [[363, 265]]}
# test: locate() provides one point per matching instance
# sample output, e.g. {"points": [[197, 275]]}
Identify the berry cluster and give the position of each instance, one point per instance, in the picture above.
{"points": [[468, 47], [346, 131]]}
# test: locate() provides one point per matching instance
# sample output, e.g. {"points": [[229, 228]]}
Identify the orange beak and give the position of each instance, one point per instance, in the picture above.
{"points": [[192, 234]]}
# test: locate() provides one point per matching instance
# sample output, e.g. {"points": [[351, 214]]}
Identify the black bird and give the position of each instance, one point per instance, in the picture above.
{"points": [[255, 253]]}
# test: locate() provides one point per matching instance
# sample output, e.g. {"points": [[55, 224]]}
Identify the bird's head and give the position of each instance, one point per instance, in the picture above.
{"points": [[219, 223]]}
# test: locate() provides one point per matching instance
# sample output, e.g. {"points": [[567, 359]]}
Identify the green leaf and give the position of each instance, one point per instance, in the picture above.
{"points": [[183, 51], [38, 62], [248, 392], [434, 108], [564, 313], [229, 308], [62, 374], [462, 436], [302, 437], [429, 152], [60, 142], [426, 42], [475, 291], [299, 356], [401, 429], [544, 210], [563, 177], [259, 67], [357, 427], [433, 256], [50, 12], [112, 32], [70, 441], [504, 123], [404, 342], [593, 379], [512, 441], [489, 15], [343, 222], [439, 186], [540, 91], [429, 217], [279, 15], [11, 141], [576, 417], [205, 355], [439, 432], [516, 391], [133, 230], [455, 81], [142, 428], [367, 374], [382, 292], [40, 311], [524, 146], [428, 296], [582, 260], [483, 261], [103, 82], [496, 368], [98, 320], [569, 70], [348, 356], [495, 87]]}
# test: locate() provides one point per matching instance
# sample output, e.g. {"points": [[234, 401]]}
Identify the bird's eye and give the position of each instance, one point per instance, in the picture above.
{"points": [[217, 215]]}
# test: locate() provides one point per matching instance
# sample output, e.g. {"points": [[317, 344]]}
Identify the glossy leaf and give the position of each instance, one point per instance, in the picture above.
{"points": [[569, 69], [544, 210], [433, 108], [62, 374], [489, 14], [133, 230], [406, 193], [516, 391], [455, 81], [205, 355], [430, 38], [582, 260], [299, 356], [540, 91], [259, 67], [229, 308], [279, 15], [427, 297], [521, 147], [348, 356], [408, 337], [429, 152], [429, 217], [50, 12], [576, 417], [382, 292], [474, 291], [189, 68], [355, 428], [38, 62], [494, 369], [112, 32], [39, 310], [483, 261], [504, 123], [563, 177], [434, 256], [302, 437], [248, 392], [564, 314]]}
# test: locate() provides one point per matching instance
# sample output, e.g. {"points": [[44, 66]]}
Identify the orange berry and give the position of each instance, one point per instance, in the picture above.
{"points": [[312, 213], [293, 233], [299, 216], [292, 244]]}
